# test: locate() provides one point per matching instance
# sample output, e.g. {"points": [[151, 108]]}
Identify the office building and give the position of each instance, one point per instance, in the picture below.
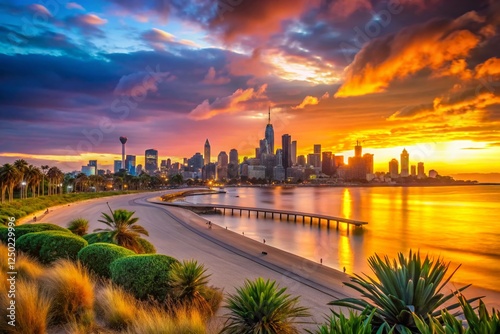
{"points": [[413, 169], [130, 164], [358, 150], [206, 153], [339, 160], [420, 170], [263, 147], [93, 163], [88, 170], [368, 160], [286, 146], [195, 162], [138, 169], [117, 166], [405, 163], [294, 152], [269, 134], [222, 165], [301, 161], [393, 168], [151, 161], [327, 163]]}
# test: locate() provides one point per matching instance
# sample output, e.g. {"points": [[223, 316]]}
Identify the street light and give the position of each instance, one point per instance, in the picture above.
{"points": [[70, 188], [22, 188]]}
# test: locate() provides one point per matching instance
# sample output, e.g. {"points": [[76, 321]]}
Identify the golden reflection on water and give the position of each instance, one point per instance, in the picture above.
{"points": [[345, 255], [346, 203]]}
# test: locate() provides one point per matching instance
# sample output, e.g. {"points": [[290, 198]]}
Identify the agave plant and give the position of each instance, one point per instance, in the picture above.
{"points": [[123, 229], [188, 279], [262, 307], [477, 323], [361, 323], [402, 287], [79, 226]]}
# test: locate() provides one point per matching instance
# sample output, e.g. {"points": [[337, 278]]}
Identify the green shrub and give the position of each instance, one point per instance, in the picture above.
{"points": [[79, 226], [49, 246], [99, 256], [30, 228], [144, 275], [92, 238], [147, 247]]}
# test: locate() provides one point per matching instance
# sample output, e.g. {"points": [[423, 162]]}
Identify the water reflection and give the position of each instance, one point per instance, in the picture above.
{"points": [[458, 223]]}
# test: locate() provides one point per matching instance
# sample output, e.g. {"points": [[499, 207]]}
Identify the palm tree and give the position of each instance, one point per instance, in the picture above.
{"points": [[55, 178], [22, 166], [261, 307], [79, 226], [10, 177], [123, 229], [44, 171], [402, 289], [82, 180], [33, 176]]}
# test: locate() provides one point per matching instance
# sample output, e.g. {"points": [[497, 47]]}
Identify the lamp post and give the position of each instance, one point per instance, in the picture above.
{"points": [[23, 184], [69, 189], [60, 188]]}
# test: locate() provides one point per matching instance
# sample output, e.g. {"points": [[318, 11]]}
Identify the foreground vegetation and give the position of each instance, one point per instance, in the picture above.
{"points": [[112, 281]]}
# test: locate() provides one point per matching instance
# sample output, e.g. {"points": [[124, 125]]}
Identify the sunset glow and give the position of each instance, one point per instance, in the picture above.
{"points": [[421, 75]]}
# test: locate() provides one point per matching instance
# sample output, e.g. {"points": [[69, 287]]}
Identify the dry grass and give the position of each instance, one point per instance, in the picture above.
{"points": [[153, 320], [72, 290], [116, 308], [26, 267], [32, 313]]}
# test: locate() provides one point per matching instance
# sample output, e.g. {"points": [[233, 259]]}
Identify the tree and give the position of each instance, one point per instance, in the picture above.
{"points": [[33, 178], [22, 166], [55, 179], [123, 229], [261, 307], [10, 177], [44, 172], [188, 279], [82, 180]]}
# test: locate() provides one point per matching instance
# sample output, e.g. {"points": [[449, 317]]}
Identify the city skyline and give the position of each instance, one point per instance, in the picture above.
{"points": [[79, 76]]}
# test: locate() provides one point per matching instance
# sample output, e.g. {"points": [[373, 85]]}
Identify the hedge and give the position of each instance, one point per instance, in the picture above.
{"points": [[99, 256], [92, 238], [48, 246], [30, 228], [145, 275]]}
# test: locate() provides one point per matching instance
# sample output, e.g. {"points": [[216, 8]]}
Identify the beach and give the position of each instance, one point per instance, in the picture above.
{"points": [[229, 257]]}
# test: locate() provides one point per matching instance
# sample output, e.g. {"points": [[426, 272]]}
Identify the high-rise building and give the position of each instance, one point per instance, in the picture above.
{"points": [[420, 170], [357, 150], [327, 163], [368, 159], [413, 169], [196, 161], [138, 169], [301, 160], [405, 163], [317, 148], [294, 152], [233, 156], [394, 168], [93, 163], [263, 147], [313, 160], [169, 164], [151, 161], [130, 164], [206, 153], [88, 170], [117, 166], [269, 135], [286, 146], [222, 164], [339, 160]]}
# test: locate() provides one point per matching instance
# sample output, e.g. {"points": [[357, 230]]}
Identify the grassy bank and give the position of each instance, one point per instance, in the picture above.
{"points": [[20, 208]]}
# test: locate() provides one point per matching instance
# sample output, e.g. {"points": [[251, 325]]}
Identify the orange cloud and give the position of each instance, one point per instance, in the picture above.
{"points": [[40, 9], [437, 45], [345, 8], [489, 67], [238, 101], [310, 101]]}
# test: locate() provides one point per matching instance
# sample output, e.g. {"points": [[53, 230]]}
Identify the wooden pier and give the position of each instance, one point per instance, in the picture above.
{"points": [[269, 213]]}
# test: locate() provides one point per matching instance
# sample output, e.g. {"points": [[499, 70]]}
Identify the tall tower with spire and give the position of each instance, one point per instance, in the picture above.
{"points": [[405, 163], [206, 155], [270, 134]]}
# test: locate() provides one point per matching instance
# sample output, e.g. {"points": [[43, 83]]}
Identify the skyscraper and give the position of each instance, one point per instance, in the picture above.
{"points": [[222, 163], [233, 156], [151, 161], [93, 163], [405, 164], [357, 150], [294, 152], [394, 168], [117, 166], [420, 170], [206, 153], [368, 159], [286, 145], [327, 163], [269, 135], [263, 148], [130, 164]]}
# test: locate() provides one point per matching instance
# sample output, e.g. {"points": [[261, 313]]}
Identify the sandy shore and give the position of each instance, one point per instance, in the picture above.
{"points": [[229, 257]]}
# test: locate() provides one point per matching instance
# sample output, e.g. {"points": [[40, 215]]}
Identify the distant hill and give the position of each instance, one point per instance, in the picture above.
{"points": [[479, 177]]}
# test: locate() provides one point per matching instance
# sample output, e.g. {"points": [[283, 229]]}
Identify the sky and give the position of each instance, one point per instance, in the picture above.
{"points": [[168, 74]]}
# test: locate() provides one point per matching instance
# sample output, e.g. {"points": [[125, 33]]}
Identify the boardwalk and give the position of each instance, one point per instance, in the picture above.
{"points": [[267, 213]]}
